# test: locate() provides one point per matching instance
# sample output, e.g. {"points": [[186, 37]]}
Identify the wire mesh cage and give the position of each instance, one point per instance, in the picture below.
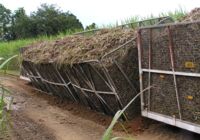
{"points": [[105, 84], [169, 60]]}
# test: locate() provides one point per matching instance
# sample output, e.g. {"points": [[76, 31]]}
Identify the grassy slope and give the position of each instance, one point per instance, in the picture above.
{"points": [[8, 49], [11, 48]]}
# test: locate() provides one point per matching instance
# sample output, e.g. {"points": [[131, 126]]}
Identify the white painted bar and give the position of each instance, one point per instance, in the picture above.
{"points": [[25, 78], [171, 72], [172, 121]]}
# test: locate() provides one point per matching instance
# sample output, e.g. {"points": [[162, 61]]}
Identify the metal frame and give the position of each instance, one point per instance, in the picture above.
{"points": [[145, 111], [43, 79], [51, 80], [172, 121]]}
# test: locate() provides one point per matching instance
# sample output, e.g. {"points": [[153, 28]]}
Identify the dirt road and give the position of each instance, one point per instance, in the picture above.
{"points": [[38, 116]]}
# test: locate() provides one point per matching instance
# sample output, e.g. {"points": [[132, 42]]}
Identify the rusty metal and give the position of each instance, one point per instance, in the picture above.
{"points": [[149, 80], [169, 24], [78, 82], [173, 69], [180, 45]]}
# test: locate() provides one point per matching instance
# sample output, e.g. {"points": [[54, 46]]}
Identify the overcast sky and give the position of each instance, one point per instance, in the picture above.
{"points": [[106, 11]]}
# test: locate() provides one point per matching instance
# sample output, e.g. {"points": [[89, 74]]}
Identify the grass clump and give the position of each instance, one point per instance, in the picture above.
{"points": [[176, 15], [4, 121], [108, 133]]}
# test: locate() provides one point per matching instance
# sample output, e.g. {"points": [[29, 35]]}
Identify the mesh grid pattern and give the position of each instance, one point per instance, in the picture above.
{"points": [[185, 44]]}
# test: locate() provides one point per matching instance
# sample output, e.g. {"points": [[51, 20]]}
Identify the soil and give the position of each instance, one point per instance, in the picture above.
{"points": [[38, 116]]}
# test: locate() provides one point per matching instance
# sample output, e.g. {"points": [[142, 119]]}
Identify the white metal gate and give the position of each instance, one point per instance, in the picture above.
{"points": [[169, 60]]}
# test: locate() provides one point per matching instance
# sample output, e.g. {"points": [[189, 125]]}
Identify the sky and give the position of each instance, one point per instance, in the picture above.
{"points": [[104, 12]]}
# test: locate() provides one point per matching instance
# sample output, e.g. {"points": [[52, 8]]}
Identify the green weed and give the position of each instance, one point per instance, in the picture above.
{"points": [[108, 133]]}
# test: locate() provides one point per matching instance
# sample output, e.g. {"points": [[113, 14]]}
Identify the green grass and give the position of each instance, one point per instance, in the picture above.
{"points": [[176, 15], [108, 133], [4, 121], [2, 104], [8, 49], [4, 115]]}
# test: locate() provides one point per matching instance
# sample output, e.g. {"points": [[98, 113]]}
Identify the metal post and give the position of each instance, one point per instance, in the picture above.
{"points": [[149, 80], [173, 69], [140, 67]]}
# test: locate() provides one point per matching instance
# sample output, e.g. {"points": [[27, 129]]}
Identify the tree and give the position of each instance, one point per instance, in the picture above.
{"points": [[22, 24], [5, 20], [47, 20], [92, 26], [51, 20]]}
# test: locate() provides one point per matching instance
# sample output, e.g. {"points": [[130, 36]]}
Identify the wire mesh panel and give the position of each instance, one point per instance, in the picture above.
{"points": [[169, 60], [105, 83]]}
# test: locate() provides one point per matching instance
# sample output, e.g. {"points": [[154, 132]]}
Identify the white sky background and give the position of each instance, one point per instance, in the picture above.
{"points": [[104, 12]]}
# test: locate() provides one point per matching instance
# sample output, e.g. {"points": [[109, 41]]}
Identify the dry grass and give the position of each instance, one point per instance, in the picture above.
{"points": [[78, 48]]}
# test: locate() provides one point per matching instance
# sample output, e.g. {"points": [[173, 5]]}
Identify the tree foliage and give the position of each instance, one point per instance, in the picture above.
{"points": [[22, 24], [46, 20], [5, 20], [92, 26]]}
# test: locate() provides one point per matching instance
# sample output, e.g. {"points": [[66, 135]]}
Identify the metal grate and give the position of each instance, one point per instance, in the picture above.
{"points": [[105, 85], [169, 60]]}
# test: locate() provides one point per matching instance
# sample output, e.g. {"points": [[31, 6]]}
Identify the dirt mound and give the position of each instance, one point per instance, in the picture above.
{"points": [[78, 48], [193, 15]]}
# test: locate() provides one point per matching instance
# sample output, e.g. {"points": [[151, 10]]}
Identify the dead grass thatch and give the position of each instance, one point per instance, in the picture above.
{"points": [[193, 15], [78, 48]]}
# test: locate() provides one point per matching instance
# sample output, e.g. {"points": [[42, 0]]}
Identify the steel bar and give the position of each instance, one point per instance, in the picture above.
{"points": [[112, 85], [46, 84], [149, 78], [125, 76], [71, 81], [50, 82], [169, 24], [118, 48], [65, 84], [89, 101], [171, 45], [101, 100], [106, 107], [172, 121], [140, 67], [163, 20], [89, 90], [170, 72], [88, 31], [36, 81], [109, 86]]}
